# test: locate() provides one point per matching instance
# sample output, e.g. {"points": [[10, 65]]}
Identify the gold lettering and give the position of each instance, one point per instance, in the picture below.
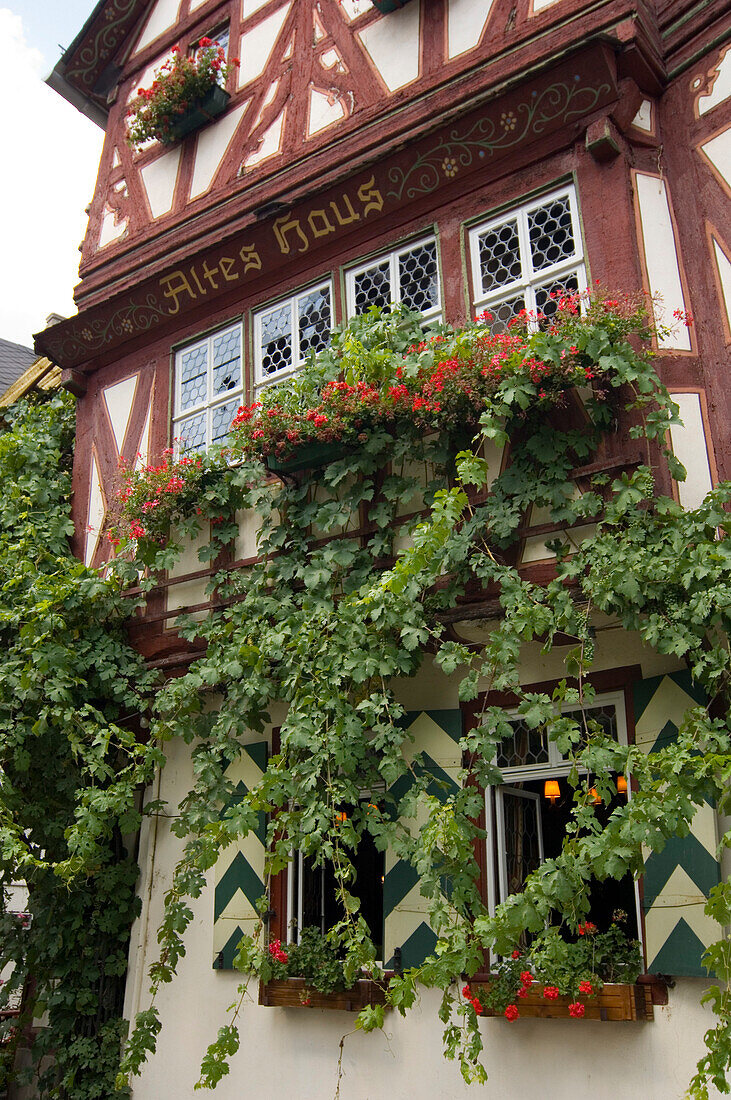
{"points": [[371, 197], [210, 273], [282, 226], [194, 273], [175, 284], [325, 228], [250, 258], [352, 216], [225, 267]]}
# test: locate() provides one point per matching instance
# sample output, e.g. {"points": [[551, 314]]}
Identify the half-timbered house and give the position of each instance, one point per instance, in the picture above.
{"points": [[453, 155]]}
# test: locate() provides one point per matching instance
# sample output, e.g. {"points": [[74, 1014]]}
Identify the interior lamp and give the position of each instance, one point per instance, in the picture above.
{"points": [[551, 791], [621, 784]]}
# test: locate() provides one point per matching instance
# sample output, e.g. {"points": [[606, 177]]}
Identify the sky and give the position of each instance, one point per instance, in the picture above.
{"points": [[48, 167]]}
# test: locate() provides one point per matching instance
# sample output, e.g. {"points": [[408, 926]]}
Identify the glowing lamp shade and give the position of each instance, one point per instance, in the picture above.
{"points": [[594, 796], [621, 784], [551, 791]]}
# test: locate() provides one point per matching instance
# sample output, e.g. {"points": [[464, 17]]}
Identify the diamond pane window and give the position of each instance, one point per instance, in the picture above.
{"points": [[523, 257], [208, 385], [530, 752], [409, 275], [285, 333]]}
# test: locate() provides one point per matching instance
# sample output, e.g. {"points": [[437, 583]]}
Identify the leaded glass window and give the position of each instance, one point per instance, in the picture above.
{"points": [[208, 388], [409, 275], [528, 257], [286, 332]]}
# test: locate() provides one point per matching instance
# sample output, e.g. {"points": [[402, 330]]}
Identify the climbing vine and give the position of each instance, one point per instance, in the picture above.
{"points": [[71, 707], [326, 623], [323, 626]]}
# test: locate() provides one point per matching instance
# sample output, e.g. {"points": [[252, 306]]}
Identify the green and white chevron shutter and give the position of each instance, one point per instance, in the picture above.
{"points": [[240, 868], [405, 911], [678, 878]]}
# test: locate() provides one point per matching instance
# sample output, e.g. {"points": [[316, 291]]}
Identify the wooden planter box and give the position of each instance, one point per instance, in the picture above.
{"points": [[213, 103], [309, 456], [385, 6], [293, 993], [615, 1002]]}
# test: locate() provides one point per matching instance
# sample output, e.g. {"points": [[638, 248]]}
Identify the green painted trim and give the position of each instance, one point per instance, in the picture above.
{"points": [[449, 720], [415, 949], [680, 954], [228, 951], [686, 852], [239, 876], [396, 884]]}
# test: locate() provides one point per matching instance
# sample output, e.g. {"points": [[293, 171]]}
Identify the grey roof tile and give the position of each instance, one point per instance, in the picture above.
{"points": [[14, 359]]}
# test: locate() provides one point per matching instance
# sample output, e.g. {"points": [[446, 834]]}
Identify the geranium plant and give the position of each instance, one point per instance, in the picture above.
{"points": [[576, 967], [315, 958], [179, 86], [364, 383]]}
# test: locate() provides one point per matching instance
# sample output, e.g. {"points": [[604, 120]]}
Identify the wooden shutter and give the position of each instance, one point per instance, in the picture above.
{"points": [[405, 911], [678, 878], [240, 868]]}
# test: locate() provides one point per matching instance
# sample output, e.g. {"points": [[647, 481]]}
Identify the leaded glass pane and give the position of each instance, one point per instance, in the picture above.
{"points": [[315, 320], [227, 361], [605, 717], [503, 312], [418, 277], [522, 842], [373, 287], [499, 256], [221, 417], [276, 340], [193, 369], [191, 433], [551, 233], [547, 305], [526, 746]]}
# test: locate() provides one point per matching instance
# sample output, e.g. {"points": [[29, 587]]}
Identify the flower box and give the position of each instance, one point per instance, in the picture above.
{"points": [[614, 1002], [294, 993], [306, 457], [385, 6], [199, 113]]}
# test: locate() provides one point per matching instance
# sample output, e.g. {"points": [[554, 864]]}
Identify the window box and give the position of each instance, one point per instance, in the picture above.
{"points": [[306, 457], [614, 1002], [198, 114], [294, 993], [385, 6]]}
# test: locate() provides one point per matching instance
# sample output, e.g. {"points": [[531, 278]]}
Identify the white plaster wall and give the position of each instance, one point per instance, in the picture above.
{"points": [[287, 1053], [661, 258]]}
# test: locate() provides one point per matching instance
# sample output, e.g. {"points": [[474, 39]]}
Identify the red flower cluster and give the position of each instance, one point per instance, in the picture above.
{"points": [[276, 952], [577, 1009], [587, 929], [149, 494], [474, 1001], [178, 83], [511, 1013], [586, 988], [551, 992]]}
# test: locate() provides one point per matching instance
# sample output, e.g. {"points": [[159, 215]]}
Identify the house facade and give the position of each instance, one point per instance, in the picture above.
{"points": [[455, 156]]}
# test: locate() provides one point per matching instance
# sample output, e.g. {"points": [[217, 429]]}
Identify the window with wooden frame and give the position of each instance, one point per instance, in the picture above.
{"points": [[220, 36], [525, 257], [527, 815], [408, 275], [312, 900], [287, 331], [209, 382]]}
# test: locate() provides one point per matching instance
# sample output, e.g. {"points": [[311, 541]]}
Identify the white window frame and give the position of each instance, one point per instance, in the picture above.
{"points": [[557, 767], [530, 280], [212, 401], [261, 380], [393, 257]]}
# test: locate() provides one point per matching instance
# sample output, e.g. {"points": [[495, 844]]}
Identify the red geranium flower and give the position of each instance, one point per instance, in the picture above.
{"points": [[511, 1013]]}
